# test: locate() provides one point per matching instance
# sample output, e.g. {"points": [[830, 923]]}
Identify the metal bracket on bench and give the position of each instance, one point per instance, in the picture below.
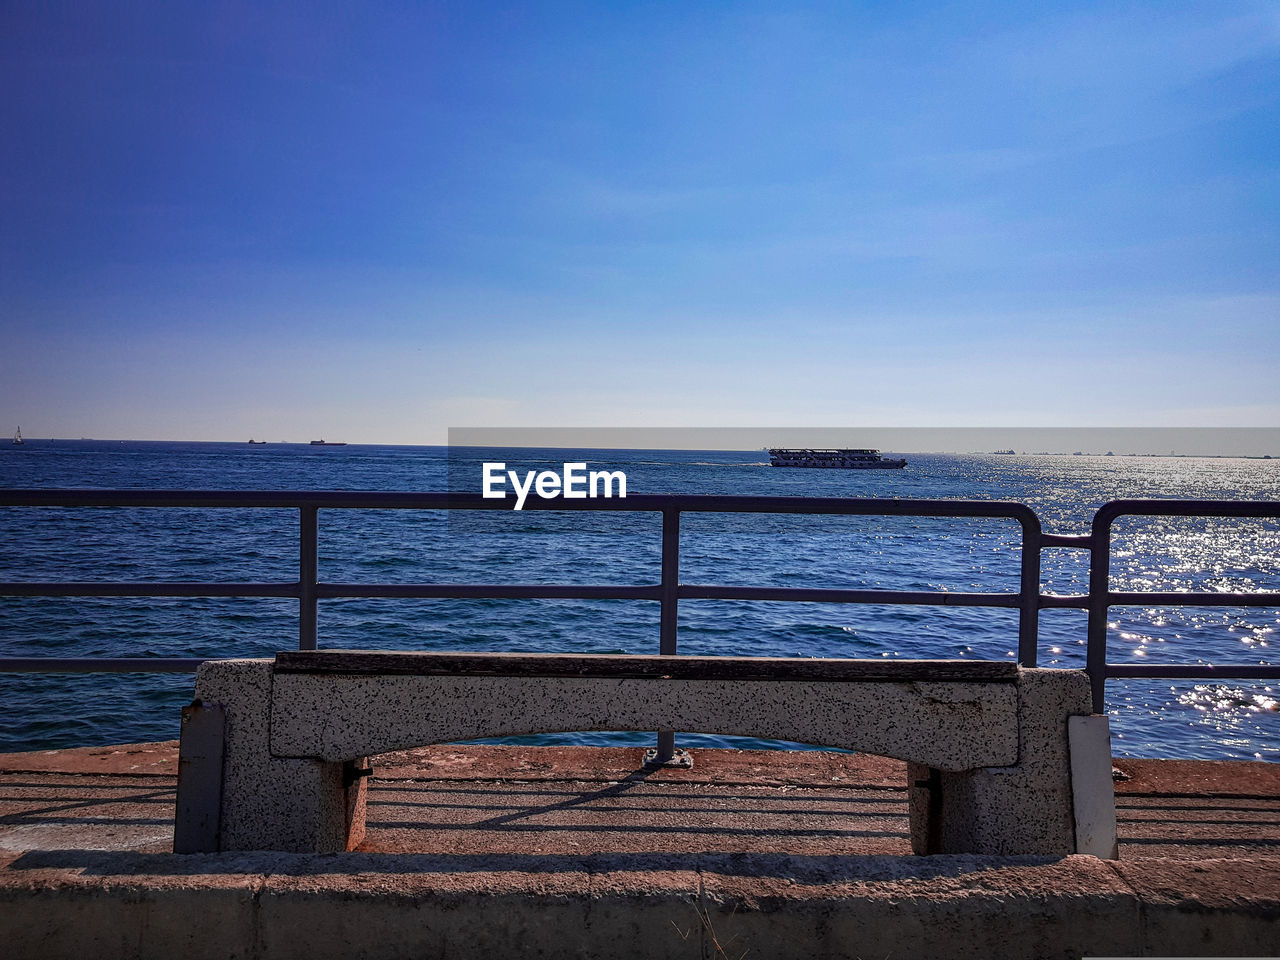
{"points": [[679, 758], [197, 822]]}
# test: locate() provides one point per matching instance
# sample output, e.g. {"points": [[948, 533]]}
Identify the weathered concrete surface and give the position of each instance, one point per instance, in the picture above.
{"points": [[143, 759], [271, 803], [1002, 747], [948, 725], [1197, 809], [1026, 808], [568, 852], [366, 905]]}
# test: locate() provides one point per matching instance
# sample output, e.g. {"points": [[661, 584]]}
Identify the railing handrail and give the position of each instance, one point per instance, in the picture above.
{"points": [[414, 500], [308, 589]]}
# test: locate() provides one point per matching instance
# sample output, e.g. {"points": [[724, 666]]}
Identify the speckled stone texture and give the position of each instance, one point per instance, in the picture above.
{"points": [[269, 803], [951, 726], [1023, 808]]}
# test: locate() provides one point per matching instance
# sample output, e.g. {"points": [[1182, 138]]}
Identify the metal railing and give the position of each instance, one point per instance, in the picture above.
{"points": [[308, 589], [1101, 597]]}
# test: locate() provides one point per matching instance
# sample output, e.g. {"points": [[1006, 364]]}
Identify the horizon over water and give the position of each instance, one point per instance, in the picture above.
{"points": [[1150, 718]]}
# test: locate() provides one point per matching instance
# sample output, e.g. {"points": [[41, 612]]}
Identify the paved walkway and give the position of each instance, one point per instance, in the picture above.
{"points": [[573, 801]]}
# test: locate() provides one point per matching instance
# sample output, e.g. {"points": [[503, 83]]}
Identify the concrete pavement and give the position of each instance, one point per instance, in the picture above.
{"points": [[512, 851]]}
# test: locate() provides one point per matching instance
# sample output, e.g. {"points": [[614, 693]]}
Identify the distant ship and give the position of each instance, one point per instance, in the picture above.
{"points": [[17, 437], [842, 459], [324, 443], [256, 443]]}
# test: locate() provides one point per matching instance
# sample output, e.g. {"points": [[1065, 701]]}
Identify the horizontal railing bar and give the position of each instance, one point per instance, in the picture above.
{"points": [[100, 664], [1189, 599], [823, 595], [636, 592], [1184, 508], [69, 497], [1066, 540], [1195, 671], [838, 506], [488, 591], [143, 589], [190, 664], [1073, 601], [389, 500]]}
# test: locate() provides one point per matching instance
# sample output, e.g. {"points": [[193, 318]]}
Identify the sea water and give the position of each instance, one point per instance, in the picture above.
{"points": [[1150, 718]]}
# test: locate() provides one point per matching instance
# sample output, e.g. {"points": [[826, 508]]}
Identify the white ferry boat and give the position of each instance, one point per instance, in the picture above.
{"points": [[836, 459]]}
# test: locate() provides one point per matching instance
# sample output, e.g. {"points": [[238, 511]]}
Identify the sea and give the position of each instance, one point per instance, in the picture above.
{"points": [[1225, 720]]}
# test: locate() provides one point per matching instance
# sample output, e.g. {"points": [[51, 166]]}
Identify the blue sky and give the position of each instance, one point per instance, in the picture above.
{"points": [[372, 222]]}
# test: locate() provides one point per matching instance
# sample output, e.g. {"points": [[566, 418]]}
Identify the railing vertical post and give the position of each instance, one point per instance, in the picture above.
{"points": [[308, 574], [1029, 602], [668, 616], [1099, 603], [670, 580]]}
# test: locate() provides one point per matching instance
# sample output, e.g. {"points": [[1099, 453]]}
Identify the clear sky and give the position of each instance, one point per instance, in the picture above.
{"points": [[371, 222]]}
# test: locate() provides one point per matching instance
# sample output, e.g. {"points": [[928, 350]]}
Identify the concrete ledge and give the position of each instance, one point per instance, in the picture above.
{"points": [[367, 905]]}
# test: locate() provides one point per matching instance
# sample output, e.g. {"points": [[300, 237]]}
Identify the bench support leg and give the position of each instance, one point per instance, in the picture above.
{"points": [[1027, 808], [269, 803]]}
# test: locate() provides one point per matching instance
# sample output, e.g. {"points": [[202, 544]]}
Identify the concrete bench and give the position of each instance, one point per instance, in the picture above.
{"points": [[1001, 760]]}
